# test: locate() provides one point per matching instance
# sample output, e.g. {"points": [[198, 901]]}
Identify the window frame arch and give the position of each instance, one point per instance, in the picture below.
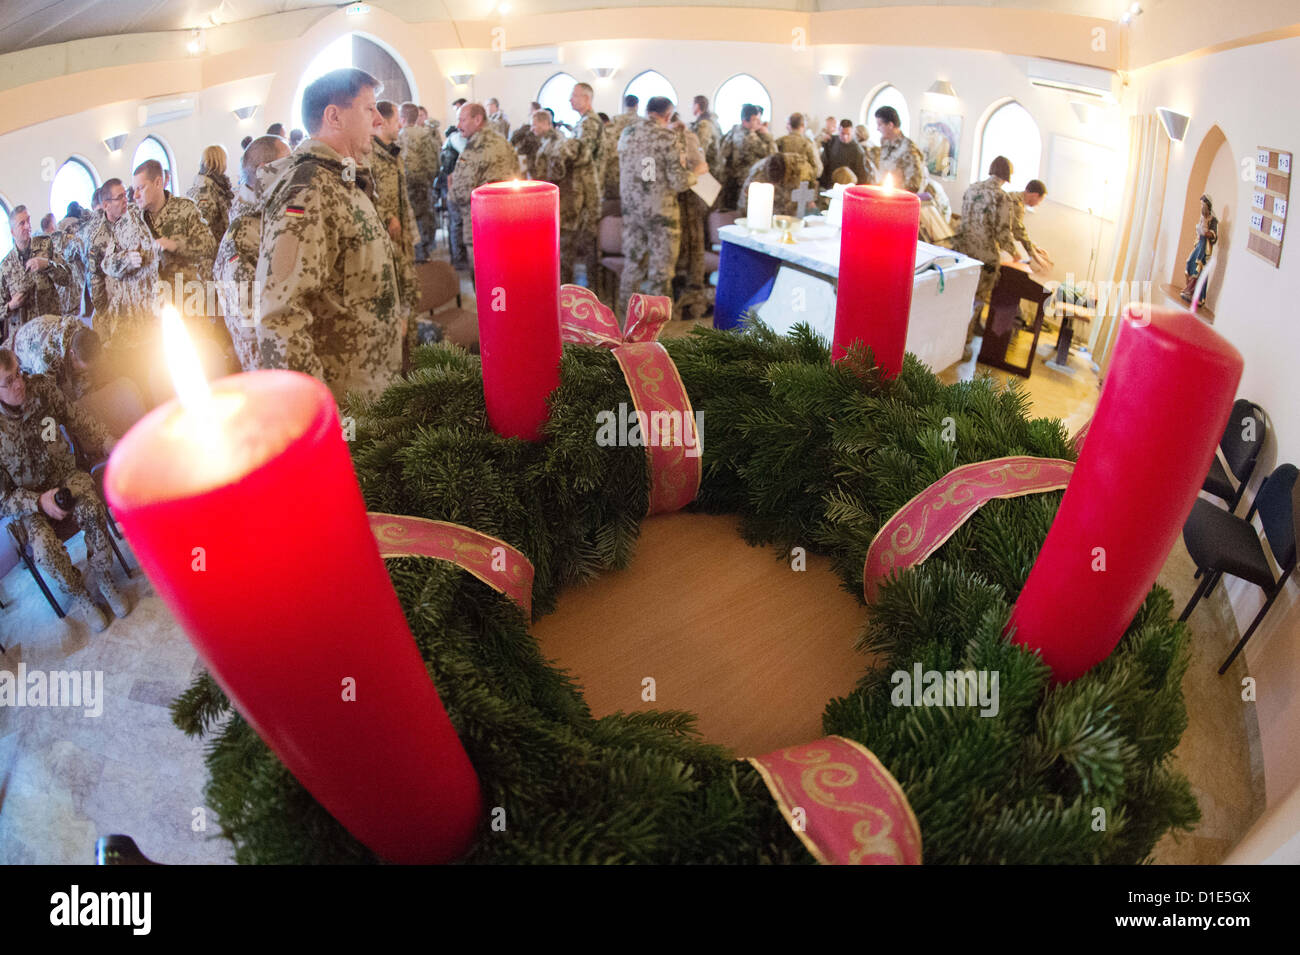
{"points": [[979, 168], [713, 103], [91, 171], [6, 207], [866, 115], [644, 99], [547, 82], [167, 151]]}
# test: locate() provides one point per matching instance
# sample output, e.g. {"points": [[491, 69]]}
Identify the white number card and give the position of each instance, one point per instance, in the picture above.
{"points": [[1257, 222], [1275, 230], [1261, 158], [1284, 162], [1279, 208], [1261, 178], [1257, 200]]}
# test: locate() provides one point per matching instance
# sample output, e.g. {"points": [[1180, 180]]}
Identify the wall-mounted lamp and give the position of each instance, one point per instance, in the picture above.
{"points": [[942, 88], [604, 72], [195, 45], [1134, 11], [114, 143], [834, 80], [357, 9], [460, 79], [1175, 124], [245, 112]]}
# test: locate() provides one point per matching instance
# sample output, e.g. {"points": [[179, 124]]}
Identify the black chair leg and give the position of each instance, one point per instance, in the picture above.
{"points": [[1214, 582], [1249, 630], [120, 559], [1200, 592], [1197, 575], [40, 582]]}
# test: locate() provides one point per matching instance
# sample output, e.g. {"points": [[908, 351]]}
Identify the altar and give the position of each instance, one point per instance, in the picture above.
{"points": [[788, 284]]}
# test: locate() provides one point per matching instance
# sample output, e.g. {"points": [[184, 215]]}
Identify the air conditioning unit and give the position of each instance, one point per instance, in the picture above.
{"points": [[531, 56], [158, 111], [1090, 81]]}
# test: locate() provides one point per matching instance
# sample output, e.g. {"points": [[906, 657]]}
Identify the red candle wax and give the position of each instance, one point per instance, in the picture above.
{"points": [[877, 263], [1162, 411], [517, 282], [250, 524]]}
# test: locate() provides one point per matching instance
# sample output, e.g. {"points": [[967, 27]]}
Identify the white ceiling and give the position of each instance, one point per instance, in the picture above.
{"points": [[32, 23]]}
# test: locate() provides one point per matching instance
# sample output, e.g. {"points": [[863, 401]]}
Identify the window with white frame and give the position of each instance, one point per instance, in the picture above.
{"points": [[651, 83], [153, 148], [6, 238], [554, 95], [74, 182], [734, 94], [1010, 131], [887, 95]]}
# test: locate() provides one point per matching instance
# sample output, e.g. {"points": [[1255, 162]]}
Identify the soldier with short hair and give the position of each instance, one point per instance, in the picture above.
{"points": [[652, 170], [330, 305], [420, 159], [556, 161], [497, 119], [487, 157], [578, 233], [796, 142], [236, 268], [35, 465], [393, 203], [123, 267], [612, 133], [985, 234], [709, 133], [1035, 191], [30, 275], [899, 156], [745, 144], [184, 241]]}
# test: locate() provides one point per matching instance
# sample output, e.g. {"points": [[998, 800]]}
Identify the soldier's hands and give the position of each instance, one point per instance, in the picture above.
{"points": [[395, 228], [49, 507], [134, 259], [17, 300], [701, 168], [166, 245], [37, 264]]}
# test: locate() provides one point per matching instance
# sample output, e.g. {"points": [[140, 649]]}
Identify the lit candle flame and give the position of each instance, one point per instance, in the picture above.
{"points": [[183, 361], [888, 184]]}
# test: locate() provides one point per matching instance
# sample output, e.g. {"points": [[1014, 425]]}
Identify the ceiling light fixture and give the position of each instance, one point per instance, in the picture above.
{"points": [[195, 44], [357, 9]]}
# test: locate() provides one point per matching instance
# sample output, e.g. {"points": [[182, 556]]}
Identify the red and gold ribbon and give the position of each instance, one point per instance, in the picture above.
{"points": [[843, 805], [924, 523], [668, 427], [502, 567]]}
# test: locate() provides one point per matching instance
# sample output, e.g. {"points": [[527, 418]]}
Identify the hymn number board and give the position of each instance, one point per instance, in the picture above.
{"points": [[1268, 204]]}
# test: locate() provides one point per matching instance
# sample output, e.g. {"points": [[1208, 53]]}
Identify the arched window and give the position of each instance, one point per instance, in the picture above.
{"points": [[6, 239], [1010, 131], [153, 148], [887, 95], [74, 182], [554, 95], [647, 84], [351, 50], [735, 93]]}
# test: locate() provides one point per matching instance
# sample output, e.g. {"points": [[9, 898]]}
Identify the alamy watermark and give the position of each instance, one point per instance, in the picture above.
{"points": [[946, 688], [62, 688], [628, 427]]}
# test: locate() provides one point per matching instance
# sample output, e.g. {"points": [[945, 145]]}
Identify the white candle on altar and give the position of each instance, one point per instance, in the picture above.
{"points": [[759, 212]]}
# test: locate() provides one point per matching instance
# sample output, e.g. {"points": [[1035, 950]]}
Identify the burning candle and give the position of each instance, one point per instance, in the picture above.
{"points": [[517, 281], [241, 504], [758, 205], [1164, 406], [877, 263]]}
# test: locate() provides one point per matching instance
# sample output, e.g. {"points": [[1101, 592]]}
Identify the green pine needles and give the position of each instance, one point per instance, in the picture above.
{"points": [[808, 454]]}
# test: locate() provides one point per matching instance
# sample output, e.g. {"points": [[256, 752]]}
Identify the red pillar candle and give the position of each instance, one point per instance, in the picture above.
{"points": [[1162, 411], [248, 520], [877, 263], [517, 284]]}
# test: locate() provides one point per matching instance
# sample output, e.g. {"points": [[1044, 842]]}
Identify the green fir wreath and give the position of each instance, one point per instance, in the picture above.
{"points": [[806, 453]]}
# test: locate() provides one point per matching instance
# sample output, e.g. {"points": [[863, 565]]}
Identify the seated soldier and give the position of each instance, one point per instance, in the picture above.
{"points": [[35, 467], [63, 348], [785, 171]]}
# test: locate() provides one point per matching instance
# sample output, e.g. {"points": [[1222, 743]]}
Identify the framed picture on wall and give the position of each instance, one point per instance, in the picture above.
{"points": [[940, 142]]}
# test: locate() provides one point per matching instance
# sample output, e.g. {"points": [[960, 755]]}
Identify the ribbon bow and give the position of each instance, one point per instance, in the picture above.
{"points": [[586, 320]]}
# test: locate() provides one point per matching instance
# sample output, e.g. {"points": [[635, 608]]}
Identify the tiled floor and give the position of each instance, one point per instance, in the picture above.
{"points": [[67, 778]]}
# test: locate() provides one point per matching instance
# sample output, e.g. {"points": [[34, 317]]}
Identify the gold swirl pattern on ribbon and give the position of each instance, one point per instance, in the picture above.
{"points": [[924, 523], [502, 567], [843, 805], [658, 393]]}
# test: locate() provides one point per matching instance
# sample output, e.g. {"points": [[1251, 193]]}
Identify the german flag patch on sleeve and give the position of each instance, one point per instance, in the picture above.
{"points": [[294, 210]]}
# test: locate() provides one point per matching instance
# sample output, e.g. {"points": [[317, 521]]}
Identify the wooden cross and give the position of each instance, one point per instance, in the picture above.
{"points": [[803, 195]]}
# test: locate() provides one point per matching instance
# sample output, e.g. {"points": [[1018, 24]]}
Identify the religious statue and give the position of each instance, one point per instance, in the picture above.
{"points": [[1207, 233]]}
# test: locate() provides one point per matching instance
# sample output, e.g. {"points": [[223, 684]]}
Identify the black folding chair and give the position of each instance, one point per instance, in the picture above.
{"points": [[1222, 543], [1241, 444]]}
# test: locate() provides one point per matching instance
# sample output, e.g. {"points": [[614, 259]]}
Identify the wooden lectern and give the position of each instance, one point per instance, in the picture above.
{"points": [[1014, 285]]}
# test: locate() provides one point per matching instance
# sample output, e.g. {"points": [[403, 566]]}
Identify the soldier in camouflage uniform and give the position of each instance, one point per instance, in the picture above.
{"points": [[578, 233], [709, 133], [1034, 193], [211, 191], [34, 464], [696, 297], [652, 170], [123, 265], [69, 243], [393, 203], [236, 268], [785, 171], [30, 275], [556, 161], [525, 144], [985, 233], [796, 142], [613, 132], [746, 143], [496, 119], [62, 348], [330, 305], [487, 157], [181, 236], [420, 158], [899, 156]]}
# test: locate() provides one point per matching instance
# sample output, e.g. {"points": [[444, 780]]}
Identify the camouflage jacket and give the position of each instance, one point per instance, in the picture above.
{"points": [[70, 243], [985, 221], [525, 144], [706, 130], [801, 145], [40, 289], [42, 348], [420, 151], [556, 161], [742, 147], [1016, 209], [236, 272], [125, 297], [500, 124], [651, 173], [329, 297], [589, 133], [213, 196], [487, 158], [392, 201], [903, 158], [797, 170], [612, 134], [34, 458], [179, 219]]}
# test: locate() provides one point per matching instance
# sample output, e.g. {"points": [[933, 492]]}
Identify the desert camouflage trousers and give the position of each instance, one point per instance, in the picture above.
{"points": [[649, 258], [50, 554]]}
